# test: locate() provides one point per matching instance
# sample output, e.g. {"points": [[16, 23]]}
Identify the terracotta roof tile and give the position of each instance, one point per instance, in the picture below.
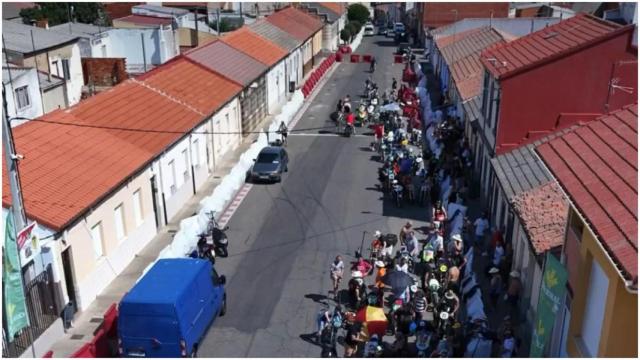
{"points": [[255, 46], [192, 84], [597, 166], [67, 169], [543, 212], [336, 7], [554, 41], [296, 22], [438, 14]]}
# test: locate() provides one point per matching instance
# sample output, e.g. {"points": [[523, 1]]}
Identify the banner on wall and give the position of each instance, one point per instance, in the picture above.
{"points": [[552, 292]]}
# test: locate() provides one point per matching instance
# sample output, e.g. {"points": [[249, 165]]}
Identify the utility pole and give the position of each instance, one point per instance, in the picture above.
{"points": [[17, 206], [218, 21]]}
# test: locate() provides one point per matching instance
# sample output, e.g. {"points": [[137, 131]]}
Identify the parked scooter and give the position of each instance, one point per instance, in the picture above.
{"points": [[220, 240]]}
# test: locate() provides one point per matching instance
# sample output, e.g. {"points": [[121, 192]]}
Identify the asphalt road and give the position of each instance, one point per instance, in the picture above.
{"points": [[284, 236]]}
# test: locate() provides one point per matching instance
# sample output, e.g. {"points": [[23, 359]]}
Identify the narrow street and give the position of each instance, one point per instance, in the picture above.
{"points": [[284, 236]]}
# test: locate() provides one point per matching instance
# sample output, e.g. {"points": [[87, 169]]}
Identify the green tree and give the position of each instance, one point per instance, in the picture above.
{"points": [[225, 26], [345, 35], [60, 13], [358, 12]]}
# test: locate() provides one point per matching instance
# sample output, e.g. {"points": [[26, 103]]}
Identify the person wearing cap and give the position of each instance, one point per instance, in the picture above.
{"points": [[357, 289], [495, 287], [453, 302], [380, 273]]}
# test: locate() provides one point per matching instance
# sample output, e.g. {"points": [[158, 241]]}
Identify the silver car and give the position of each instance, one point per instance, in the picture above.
{"points": [[270, 164]]}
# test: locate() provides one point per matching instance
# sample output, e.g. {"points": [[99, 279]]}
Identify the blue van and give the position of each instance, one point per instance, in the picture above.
{"points": [[168, 312]]}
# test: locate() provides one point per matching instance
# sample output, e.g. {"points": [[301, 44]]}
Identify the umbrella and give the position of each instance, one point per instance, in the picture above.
{"points": [[391, 107], [397, 280], [374, 320]]}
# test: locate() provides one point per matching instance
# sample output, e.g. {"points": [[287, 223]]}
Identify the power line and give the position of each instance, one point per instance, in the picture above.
{"points": [[155, 131]]}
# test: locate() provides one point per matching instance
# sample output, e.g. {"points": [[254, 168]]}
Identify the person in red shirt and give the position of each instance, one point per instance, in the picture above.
{"points": [[351, 118]]}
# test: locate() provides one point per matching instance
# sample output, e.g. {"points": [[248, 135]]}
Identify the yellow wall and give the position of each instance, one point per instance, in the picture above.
{"points": [[187, 37], [619, 337]]}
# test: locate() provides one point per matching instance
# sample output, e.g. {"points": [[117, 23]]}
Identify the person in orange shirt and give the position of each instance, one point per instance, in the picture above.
{"points": [[380, 273]]}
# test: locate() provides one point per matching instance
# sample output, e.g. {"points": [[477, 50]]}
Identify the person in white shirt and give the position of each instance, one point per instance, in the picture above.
{"points": [[498, 253], [481, 225]]}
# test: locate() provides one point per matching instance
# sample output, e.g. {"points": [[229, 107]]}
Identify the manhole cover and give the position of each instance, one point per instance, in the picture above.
{"points": [[96, 320], [77, 337]]}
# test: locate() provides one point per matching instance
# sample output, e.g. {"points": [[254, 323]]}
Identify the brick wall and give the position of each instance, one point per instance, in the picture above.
{"points": [[104, 71]]}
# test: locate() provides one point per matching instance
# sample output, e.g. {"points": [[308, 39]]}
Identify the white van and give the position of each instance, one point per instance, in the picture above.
{"points": [[369, 30]]}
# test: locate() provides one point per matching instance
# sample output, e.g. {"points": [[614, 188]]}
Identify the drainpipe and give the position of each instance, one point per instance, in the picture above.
{"points": [[193, 171]]}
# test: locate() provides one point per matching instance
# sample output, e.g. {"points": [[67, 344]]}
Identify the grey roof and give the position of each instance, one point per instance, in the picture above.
{"points": [[228, 62], [275, 35], [16, 72], [472, 108], [17, 37], [586, 7], [163, 9], [80, 29], [46, 84], [521, 169], [331, 16]]}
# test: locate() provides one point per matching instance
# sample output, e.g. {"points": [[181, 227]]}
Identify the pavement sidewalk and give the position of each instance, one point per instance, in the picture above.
{"points": [[87, 322]]}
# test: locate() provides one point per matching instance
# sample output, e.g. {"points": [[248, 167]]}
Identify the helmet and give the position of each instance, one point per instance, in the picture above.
{"points": [[414, 288], [443, 268], [434, 284], [395, 182], [449, 295], [444, 315], [390, 134], [374, 337], [377, 233], [356, 274]]}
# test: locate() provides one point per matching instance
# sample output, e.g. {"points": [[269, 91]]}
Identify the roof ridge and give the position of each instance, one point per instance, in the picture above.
{"points": [[143, 83]]}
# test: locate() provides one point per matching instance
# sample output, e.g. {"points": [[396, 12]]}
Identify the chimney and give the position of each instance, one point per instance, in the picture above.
{"points": [[44, 23]]}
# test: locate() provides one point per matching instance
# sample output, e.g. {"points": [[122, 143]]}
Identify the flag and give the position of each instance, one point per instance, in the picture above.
{"points": [[15, 306]]}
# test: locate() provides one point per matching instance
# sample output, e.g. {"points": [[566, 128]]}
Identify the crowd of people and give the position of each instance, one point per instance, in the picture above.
{"points": [[418, 277]]}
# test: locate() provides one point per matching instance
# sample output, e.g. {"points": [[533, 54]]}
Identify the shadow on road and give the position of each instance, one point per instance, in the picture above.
{"points": [[386, 43], [319, 298]]}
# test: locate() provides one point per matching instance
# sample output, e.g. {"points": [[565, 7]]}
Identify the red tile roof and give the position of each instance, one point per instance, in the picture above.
{"points": [[597, 165], [69, 169], [555, 41], [336, 7], [145, 20], [543, 212], [192, 84], [255, 46], [437, 14], [296, 22]]}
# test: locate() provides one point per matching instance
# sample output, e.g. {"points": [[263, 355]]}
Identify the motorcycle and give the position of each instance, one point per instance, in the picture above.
{"points": [[423, 343], [329, 336], [206, 249], [218, 235], [348, 130], [373, 348], [361, 115]]}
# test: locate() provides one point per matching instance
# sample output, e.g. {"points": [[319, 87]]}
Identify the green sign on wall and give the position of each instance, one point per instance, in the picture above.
{"points": [[15, 307], [552, 291]]}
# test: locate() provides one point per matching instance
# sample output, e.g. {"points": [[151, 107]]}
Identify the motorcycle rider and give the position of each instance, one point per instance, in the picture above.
{"points": [[394, 84], [452, 302], [351, 119], [439, 213], [372, 67], [405, 230], [357, 289]]}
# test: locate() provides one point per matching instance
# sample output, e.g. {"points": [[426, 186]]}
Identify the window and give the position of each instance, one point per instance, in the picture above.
{"points": [[22, 96], [196, 151], [65, 69], [118, 215], [594, 310], [137, 207], [185, 158], [96, 239], [174, 180]]}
